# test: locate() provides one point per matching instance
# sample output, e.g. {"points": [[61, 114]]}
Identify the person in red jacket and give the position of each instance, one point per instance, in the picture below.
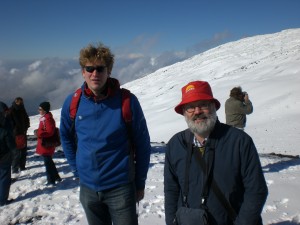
{"points": [[47, 129]]}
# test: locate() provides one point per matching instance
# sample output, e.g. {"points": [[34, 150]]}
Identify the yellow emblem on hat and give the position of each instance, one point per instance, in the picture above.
{"points": [[189, 88]]}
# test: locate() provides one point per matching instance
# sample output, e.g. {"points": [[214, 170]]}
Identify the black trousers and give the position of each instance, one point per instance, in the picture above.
{"points": [[19, 159], [51, 171]]}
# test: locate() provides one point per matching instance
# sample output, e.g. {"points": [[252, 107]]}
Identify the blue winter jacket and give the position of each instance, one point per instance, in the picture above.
{"points": [[237, 171], [102, 156]]}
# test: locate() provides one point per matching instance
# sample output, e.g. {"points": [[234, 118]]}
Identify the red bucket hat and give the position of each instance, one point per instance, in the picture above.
{"points": [[196, 91]]}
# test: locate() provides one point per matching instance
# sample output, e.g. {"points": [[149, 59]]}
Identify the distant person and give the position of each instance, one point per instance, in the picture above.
{"points": [[207, 155], [237, 107], [47, 129], [7, 145], [21, 123], [112, 176]]}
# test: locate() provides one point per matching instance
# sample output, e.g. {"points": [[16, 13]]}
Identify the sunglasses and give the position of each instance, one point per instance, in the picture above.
{"points": [[91, 69]]}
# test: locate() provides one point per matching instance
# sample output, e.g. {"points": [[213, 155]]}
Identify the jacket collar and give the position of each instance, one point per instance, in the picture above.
{"points": [[111, 87]]}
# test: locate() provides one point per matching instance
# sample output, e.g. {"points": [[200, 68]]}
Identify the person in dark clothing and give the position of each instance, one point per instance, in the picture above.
{"points": [[229, 154], [47, 129], [7, 145], [237, 106], [21, 123]]}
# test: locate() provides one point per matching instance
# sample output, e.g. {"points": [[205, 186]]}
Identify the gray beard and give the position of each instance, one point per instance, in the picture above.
{"points": [[202, 129]]}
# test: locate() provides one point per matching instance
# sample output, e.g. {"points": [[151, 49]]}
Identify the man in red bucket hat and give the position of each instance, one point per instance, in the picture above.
{"points": [[212, 171], [196, 91]]}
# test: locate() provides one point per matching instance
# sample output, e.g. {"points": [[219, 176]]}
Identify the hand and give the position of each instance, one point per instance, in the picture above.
{"points": [[246, 98], [139, 195]]}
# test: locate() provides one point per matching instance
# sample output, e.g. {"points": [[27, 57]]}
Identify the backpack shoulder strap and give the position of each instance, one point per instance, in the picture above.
{"points": [[73, 109], [189, 148], [126, 110], [127, 117], [212, 145], [74, 103]]}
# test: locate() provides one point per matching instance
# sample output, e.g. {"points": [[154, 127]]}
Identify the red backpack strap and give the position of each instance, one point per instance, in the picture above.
{"points": [[127, 116], [126, 110], [74, 103]]}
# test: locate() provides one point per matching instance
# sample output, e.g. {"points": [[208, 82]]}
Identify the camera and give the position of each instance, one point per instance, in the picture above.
{"points": [[244, 93]]}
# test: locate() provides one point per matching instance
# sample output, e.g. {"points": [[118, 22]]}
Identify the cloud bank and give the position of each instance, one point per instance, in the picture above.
{"points": [[52, 79]]}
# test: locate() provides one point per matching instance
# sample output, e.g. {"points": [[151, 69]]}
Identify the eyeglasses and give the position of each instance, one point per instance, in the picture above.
{"points": [[91, 69], [201, 105]]}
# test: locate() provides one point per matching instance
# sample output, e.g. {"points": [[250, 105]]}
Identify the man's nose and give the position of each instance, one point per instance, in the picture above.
{"points": [[198, 109]]}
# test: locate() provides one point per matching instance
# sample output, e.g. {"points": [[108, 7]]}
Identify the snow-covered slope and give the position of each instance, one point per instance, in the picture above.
{"points": [[266, 66]]}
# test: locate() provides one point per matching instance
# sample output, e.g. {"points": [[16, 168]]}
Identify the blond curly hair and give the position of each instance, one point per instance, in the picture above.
{"points": [[92, 53]]}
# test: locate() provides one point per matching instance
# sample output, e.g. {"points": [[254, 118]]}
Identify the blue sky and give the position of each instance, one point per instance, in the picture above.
{"points": [[33, 29]]}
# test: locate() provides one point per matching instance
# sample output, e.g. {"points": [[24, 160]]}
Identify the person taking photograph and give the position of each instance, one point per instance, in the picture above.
{"points": [[237, 107]]}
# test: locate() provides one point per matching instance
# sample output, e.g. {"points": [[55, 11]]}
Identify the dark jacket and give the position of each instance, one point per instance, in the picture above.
{"points": [[101, 156], [236, 111], [7, 142], [20, 118], [237, 171]]}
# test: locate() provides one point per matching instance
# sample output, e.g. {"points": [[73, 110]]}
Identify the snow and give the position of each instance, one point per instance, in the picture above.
{"points": [[266, 66]]}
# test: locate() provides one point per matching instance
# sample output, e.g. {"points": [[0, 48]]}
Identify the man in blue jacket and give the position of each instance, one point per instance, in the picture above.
{"points": [[231, 163], [112, 179]]}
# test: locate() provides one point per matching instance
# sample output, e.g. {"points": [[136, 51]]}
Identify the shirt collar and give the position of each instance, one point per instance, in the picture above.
{"points": [[197, 143]]}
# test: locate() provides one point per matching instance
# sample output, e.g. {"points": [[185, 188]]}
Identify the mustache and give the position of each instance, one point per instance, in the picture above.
{"points": [[200, 116]]}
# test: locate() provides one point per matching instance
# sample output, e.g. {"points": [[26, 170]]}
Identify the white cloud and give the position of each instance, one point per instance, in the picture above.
{"points": [[14, 71], [34, 65]]}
